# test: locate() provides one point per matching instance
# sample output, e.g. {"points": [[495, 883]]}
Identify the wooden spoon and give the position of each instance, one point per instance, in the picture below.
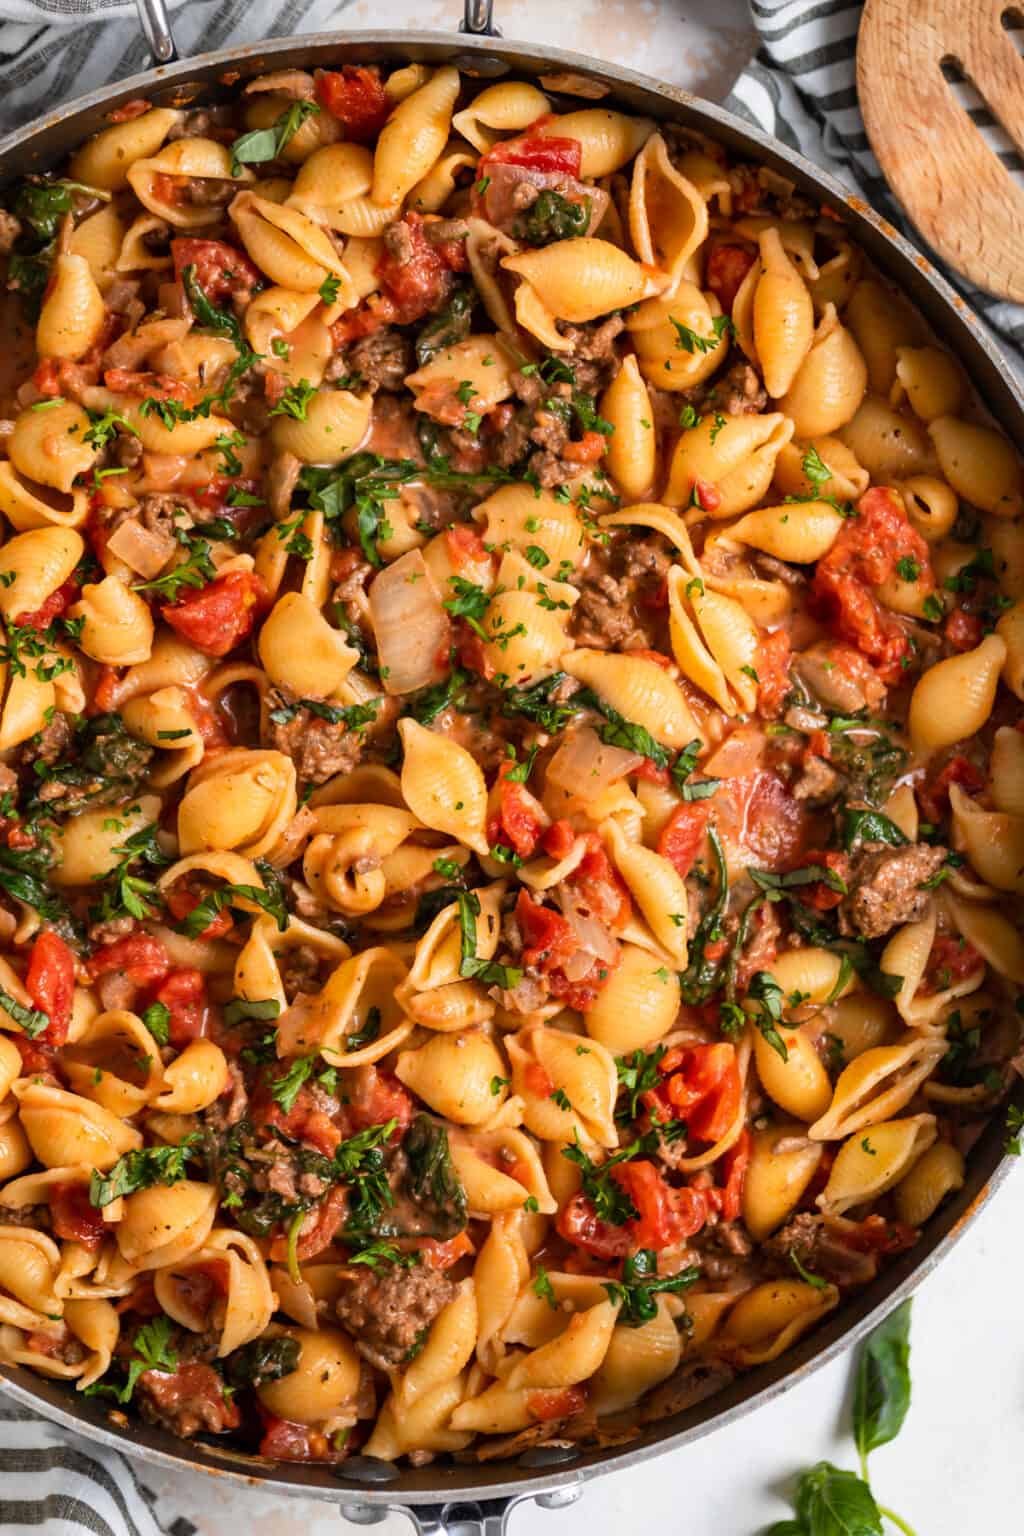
{"points": [[956, 190]]}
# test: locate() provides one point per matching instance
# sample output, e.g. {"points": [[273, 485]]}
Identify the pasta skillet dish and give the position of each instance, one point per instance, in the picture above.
{"points": [[512, 780]]}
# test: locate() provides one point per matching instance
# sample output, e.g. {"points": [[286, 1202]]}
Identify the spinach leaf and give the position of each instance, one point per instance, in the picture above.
{"points": [[861, 826], [352, 716], [872, 766], [265, 144], [553, 217], [703, 977], [535, 703], [432, 1180], [769, 882], [199, 919], [882, 1390], [681, 770], [489, 972], [450, 325], [831, 1502], [428, 703], [262, 1360], [241, 1008], [767, 996], [221, 321], [620, 732], [142, 1169], [32, 1020], [41, 205]]}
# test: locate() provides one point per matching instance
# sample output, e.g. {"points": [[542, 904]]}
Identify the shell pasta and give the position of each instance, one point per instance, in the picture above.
{"points": [[512, 826]]}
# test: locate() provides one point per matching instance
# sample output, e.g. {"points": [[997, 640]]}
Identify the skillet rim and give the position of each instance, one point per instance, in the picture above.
{"points": [[954, 322]]}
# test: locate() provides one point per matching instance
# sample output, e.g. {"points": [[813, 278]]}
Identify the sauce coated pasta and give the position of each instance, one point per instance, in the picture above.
{"points": [[512, 821]]}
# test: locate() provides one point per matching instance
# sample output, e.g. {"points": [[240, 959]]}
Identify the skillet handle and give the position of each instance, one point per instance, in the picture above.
{"points": [[478, 18], [156, 27], [475, 1517]]}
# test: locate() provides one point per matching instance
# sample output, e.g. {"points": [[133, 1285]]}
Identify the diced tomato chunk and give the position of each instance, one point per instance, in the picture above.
{"points": [[758, 812], [465, 546], [73, 1217], [355, 95], [590, 448], [520, 819], [556, 1402], [183, 994], [437, 1255], [538, 152], [666, 1216], [963, 630], [601, 886], [706, 494], [875, 1234], [951, 961], [129, 110], [197, 1388], [773, 684], [558, 839], [221, 270], [548, 943], [139, 956], [934, 796], [727, 266], [330, 1214], [683, 835], [57, 603], [219, 616], [50, 983], [158, 386], [305, 1121], [416, 283], [701, 1086], [380, 1097], [548, 940], [866, 553], [578, 1223], [536, 1080], [284, 1441]]}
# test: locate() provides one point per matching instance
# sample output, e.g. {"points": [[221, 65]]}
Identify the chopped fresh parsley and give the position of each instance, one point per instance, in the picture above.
{"points": [[691, 341], [294, 401], [640, 1284]]}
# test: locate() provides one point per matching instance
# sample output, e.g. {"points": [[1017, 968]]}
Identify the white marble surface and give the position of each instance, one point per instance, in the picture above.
{"points": [[956, 1468]]}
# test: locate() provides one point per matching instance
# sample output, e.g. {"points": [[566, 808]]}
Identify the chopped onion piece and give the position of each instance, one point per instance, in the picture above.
{"points": [[585, 767], [145, 550], [412, 629]]}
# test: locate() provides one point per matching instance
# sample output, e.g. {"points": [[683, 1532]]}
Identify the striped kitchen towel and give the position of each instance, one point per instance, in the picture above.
{"points": [[51, 1482], [54, 50], [802, 87]]}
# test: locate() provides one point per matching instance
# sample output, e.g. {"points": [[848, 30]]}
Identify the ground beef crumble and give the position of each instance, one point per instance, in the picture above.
{"points": [[886, 887], [388, 1311]]}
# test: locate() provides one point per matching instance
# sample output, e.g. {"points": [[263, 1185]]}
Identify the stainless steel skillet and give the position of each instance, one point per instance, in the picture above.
{"points": [[478, 1497]]}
